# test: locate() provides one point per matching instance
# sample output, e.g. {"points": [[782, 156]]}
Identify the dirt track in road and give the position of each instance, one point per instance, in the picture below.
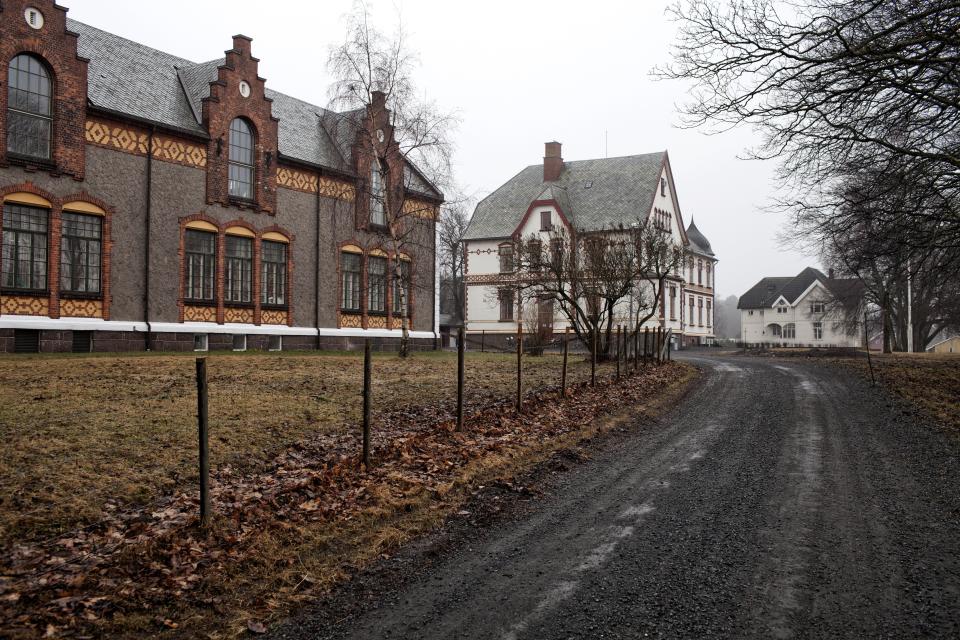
{"points": [[780, 499]]}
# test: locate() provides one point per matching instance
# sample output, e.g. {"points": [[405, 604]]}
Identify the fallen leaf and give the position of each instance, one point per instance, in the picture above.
{"points": [[256, 627]]}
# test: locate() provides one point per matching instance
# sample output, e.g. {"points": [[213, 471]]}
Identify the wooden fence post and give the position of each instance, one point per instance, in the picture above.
{"points": [[646, 345], [366, 403], [202, 421], [593, 357], [619, 329], [636, 348], [563, 374], [460, 349], [519, 367]]}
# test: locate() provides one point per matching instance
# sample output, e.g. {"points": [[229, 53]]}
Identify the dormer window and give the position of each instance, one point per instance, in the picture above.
{"points": [[29, 108], [241, 160], [546, 222], [378, 213], [663, 186]]}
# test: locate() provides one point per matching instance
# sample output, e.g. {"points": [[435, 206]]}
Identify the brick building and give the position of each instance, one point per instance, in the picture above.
{"points": [[153, 202]]}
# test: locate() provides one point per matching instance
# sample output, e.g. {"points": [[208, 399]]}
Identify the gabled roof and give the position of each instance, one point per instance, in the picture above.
{"points": [[132, 79], [599, 194], [765, 293], [698, 242]]}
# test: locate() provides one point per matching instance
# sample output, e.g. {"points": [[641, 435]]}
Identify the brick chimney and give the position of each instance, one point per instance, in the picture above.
{"points": [[378, 100], [552, 162]]}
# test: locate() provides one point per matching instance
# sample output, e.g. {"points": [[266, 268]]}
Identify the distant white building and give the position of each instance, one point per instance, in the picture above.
{"points": [[584, 196], [809, 309]]}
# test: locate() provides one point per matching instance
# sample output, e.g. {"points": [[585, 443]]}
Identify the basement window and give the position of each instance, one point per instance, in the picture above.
{"points": [[200, 342], [275, 343], [239, 342]]}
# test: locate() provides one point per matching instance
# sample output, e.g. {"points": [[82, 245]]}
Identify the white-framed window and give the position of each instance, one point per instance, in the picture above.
{"points": [[790, 331], [781, 309], [818, 331], [200, 342], [239, 342], [816, 307], [240, 166], [275, 343], [750, 312], [350, 274]]}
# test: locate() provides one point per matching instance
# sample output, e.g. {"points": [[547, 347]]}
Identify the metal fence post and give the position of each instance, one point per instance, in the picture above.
{"points": [[460, 348], [366, 403], [202, 420], [563, 374]]}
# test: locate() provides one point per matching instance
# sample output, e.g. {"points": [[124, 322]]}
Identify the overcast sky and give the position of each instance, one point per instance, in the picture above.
{"points": [[518, 74]]}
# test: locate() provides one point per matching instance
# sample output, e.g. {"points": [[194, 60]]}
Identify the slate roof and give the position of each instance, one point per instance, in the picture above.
{"points": [[762, 295], [620, 191], [136, 80], [698, 241]]}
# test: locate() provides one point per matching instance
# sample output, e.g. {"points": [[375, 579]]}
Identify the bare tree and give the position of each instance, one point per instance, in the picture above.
{"points": [[589, 275], [454, 218], [400, 143]]}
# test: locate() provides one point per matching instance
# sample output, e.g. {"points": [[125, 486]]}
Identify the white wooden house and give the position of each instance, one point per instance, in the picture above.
{"points": [[584, 196]]}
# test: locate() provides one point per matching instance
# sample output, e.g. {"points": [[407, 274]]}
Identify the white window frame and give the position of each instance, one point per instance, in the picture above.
{"points": [[818, 331], [270, 343], [240, 335], [201, 342]]}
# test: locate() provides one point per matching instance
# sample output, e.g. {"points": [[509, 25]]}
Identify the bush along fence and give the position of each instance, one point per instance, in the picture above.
{"points": [[148, 559]]}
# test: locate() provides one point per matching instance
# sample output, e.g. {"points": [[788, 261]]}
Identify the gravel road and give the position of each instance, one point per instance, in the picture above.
{"points": [[780, 499]]}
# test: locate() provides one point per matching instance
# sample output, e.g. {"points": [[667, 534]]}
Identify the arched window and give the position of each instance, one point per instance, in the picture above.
{"points": [[699, 271], [241, 160], [29, 107]]}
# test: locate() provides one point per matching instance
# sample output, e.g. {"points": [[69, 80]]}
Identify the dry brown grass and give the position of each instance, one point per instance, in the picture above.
{"points": [[84, 434], [928, 380]]}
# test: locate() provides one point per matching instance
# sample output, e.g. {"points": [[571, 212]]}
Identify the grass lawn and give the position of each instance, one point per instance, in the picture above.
{"points": [[85, 434]]}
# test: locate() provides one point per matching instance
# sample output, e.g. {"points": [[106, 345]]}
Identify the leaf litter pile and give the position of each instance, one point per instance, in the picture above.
{"points": [[282, 534]]}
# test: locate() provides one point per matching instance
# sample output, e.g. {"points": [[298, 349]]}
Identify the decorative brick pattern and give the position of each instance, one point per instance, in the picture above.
{"points": [[419, 208], [350, 320], [376, 322], [273, 316], [135, 140], [337, 189], [396, 323], [79, 308], [57, 47], [24, 305], [173, 150], [111, 136], [297, 180], [238, 314], [199, 314], [308, 183]]}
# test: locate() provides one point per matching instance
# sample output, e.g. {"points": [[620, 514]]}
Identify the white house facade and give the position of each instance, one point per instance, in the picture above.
{"points": [[584, 196], [807, 310]]}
